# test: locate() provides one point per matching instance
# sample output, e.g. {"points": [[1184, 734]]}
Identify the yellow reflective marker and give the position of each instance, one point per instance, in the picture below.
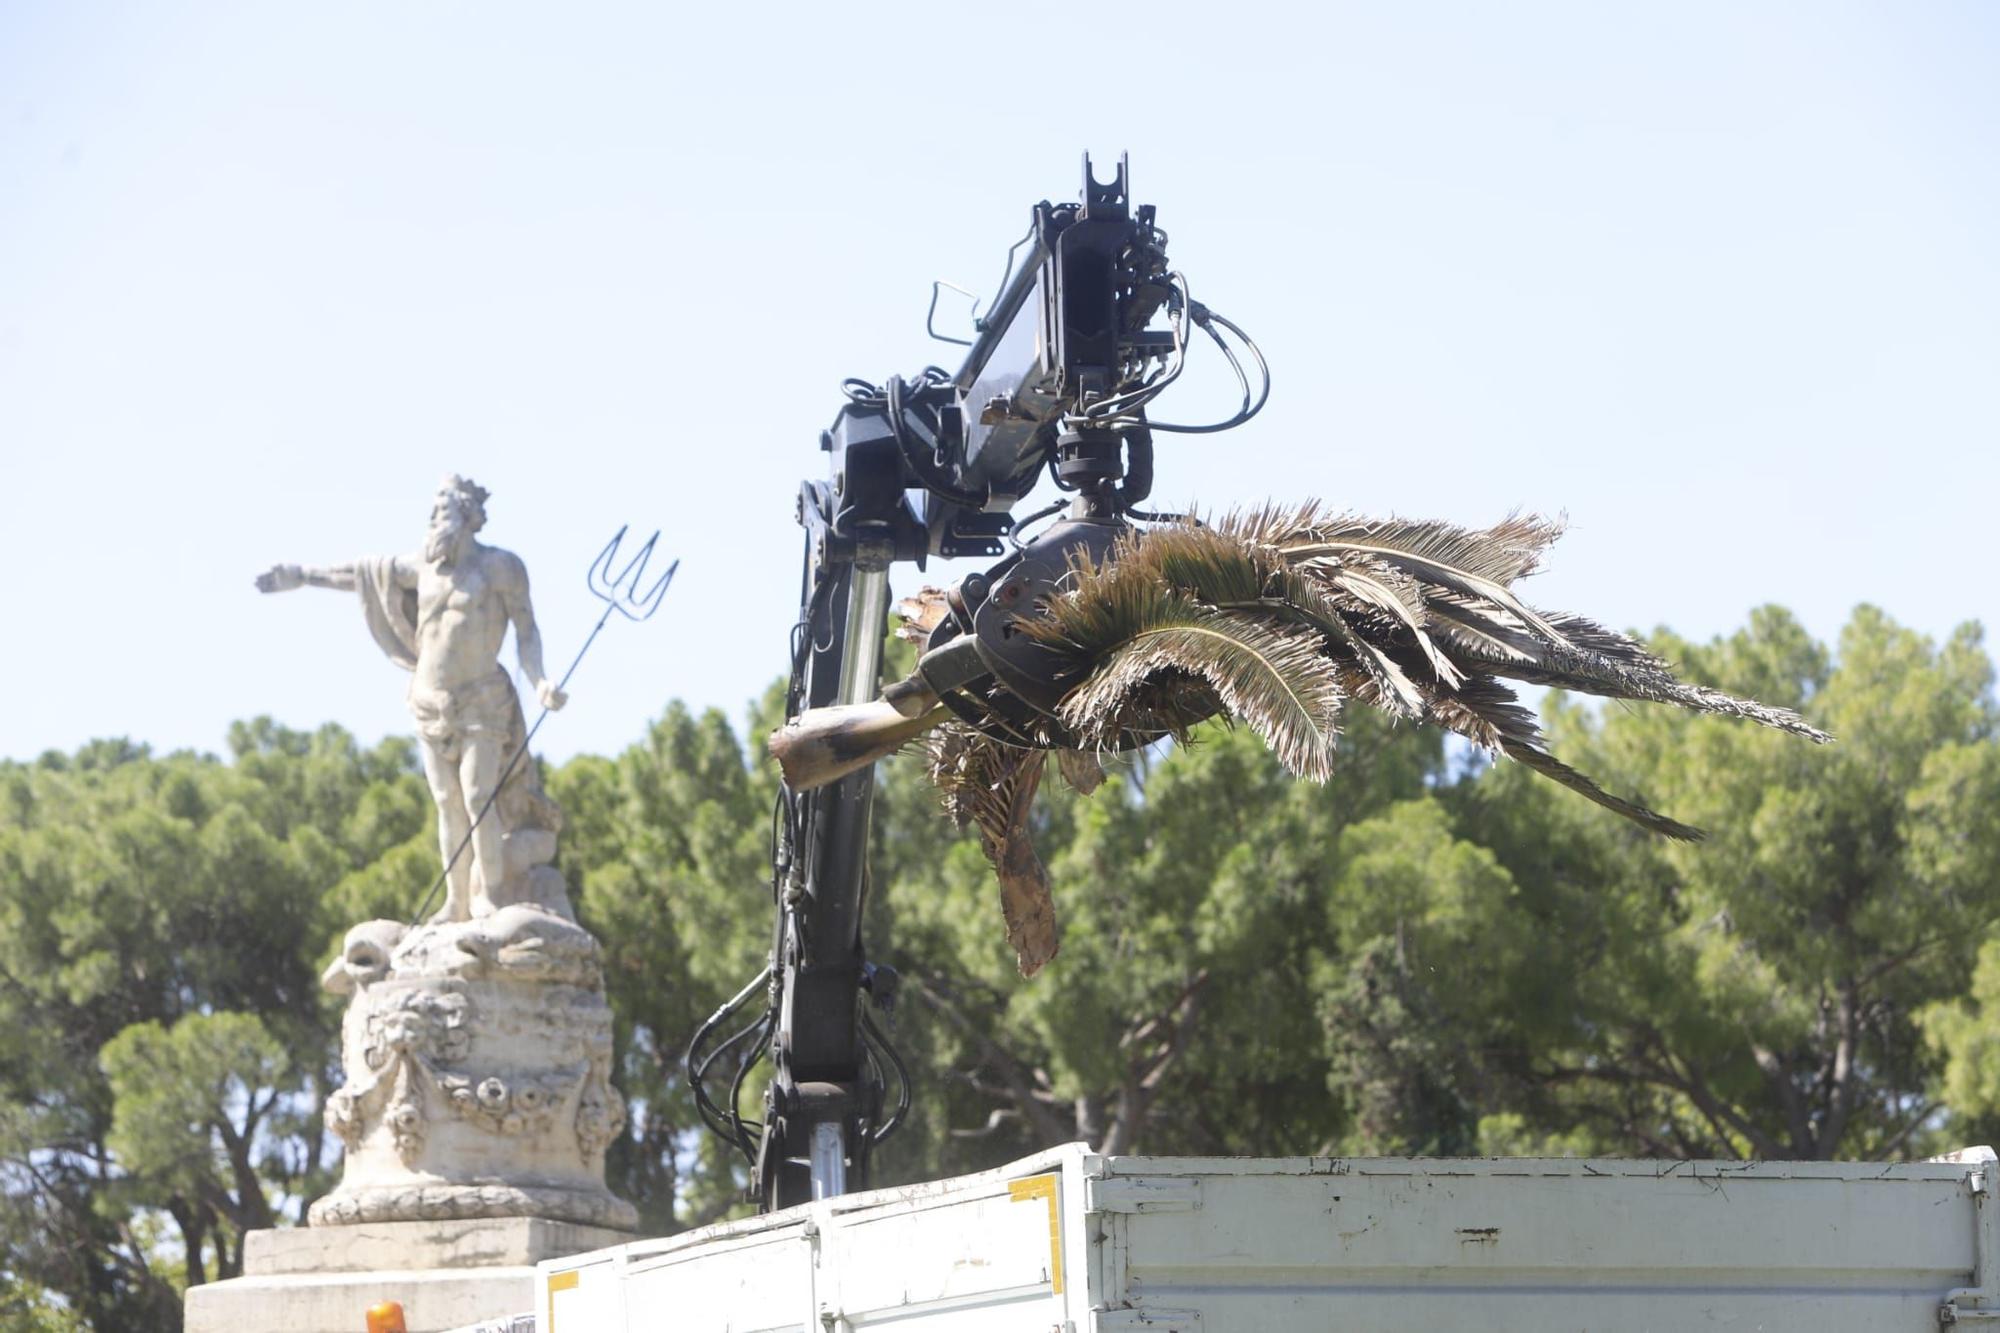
{"points": [[560, 1282], [1044, 1187]]}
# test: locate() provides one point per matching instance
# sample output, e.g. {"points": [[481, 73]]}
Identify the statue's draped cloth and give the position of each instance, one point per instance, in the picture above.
{"points": [[443, 717], [391, 611]]}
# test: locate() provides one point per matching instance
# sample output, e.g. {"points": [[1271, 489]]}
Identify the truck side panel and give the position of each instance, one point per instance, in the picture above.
{"points": [[1534, 1245], [1076, 1243]]}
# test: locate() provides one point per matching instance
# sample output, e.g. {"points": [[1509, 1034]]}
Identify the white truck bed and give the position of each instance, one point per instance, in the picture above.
{"points": [[1071, 1242]]}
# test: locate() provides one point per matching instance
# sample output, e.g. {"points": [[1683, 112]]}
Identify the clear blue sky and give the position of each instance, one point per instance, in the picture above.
{"points": [[1720, 280]]}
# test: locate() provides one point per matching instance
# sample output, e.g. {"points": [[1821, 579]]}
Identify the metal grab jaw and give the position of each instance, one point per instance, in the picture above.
{"points": [[1058, 380]]}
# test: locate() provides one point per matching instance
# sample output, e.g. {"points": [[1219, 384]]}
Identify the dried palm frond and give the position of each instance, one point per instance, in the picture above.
{"points": [[1473, 563], [920, 613], [1488, 714], [1082, 770], [1416, 618], [992, 788], [1277, 617], [1146, 638]]}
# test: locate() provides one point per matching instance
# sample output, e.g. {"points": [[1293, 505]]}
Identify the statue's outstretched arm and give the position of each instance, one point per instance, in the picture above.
{"points": [[284, 578]]}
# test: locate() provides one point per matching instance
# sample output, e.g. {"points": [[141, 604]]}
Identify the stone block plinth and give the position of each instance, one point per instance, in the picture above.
{"points": [[447, 1274]]}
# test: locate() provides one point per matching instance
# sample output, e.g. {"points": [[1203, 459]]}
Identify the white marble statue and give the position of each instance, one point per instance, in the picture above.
{"points": [[441, 613], [477, 1046]]}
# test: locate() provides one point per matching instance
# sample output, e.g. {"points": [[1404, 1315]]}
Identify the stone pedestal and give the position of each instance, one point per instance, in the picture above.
{"points": [[476, 1111], [478, 1059], [447, 1274]]}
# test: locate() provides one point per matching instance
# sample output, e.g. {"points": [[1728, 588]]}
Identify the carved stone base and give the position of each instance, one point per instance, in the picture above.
{"points": [[478, 1061]]}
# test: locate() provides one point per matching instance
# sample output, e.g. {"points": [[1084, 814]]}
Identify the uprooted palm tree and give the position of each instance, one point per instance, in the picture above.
{"points": [[1277, 617]]}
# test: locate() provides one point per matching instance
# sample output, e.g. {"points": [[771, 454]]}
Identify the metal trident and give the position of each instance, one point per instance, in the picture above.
{"points": [[620, 593]]}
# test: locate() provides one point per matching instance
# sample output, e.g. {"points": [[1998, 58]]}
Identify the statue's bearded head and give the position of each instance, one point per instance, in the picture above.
{"points": [[460, 511]]}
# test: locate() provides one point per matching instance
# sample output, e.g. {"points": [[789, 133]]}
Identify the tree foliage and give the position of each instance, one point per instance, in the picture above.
{"points": [[1426, 955], [1762, 994], [164, 1046]]}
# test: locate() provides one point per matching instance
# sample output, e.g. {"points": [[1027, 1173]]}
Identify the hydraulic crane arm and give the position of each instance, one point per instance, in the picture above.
{"points": [[1057, 380]]}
